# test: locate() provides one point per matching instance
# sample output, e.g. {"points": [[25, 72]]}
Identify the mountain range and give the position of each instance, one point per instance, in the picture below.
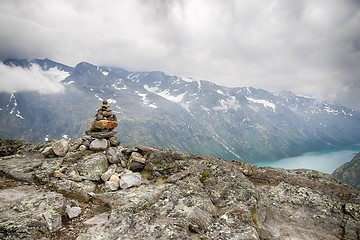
{"points": [[161, 110]]}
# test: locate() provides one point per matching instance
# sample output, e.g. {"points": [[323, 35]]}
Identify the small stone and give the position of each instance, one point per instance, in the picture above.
{"points": [[98, 145], [115, 178], [101, 135], [109, 172], [113, 186], [82, 148], [136, 161], [61, 147], [76, 144], [86, 143], [114, 155], [47, 152], [73, 212], [53, 220], [87, 138], [114, 141], [58, 174]]}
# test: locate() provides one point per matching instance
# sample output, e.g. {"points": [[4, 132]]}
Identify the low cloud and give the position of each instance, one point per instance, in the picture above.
{"points": [[309, 46], [14, 79]]}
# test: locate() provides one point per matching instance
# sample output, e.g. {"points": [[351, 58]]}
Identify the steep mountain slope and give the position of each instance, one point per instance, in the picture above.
{"points": [[160, 110], [350, 172]]}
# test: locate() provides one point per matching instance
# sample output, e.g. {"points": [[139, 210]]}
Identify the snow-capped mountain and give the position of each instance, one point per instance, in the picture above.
{"points": [[156, 109]]}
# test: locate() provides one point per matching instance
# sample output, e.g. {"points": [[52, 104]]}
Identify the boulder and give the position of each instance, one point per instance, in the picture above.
{"points": [[61, 147], [92, 167], [98, 145]]}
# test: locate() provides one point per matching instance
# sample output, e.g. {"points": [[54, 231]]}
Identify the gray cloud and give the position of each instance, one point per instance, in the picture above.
{"points": [[310, 47]]}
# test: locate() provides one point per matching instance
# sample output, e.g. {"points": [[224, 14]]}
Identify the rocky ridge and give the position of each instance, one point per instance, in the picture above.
{"points": [[350, 172], [171, 195]]}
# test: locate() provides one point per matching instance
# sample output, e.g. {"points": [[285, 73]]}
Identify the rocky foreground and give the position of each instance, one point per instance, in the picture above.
{"points": [[174, 196]]}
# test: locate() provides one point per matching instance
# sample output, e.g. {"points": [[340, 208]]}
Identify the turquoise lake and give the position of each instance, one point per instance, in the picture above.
{"points": [[326, 160]]}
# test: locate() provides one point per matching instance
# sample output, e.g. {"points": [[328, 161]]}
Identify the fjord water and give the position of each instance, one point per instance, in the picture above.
{"points": [[325, 161]]}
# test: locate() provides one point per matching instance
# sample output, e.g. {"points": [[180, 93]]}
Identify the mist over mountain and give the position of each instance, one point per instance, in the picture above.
{"points": [[160, 110]]}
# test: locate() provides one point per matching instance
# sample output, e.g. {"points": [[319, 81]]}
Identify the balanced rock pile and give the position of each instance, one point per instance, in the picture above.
{"points": [[100, 136]]}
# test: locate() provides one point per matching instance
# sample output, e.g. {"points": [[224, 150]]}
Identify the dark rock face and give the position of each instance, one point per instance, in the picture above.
{"points": [[350, 172], [176, 196]]}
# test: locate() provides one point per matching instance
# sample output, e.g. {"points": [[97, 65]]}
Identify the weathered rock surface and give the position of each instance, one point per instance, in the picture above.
{"points": [[186, 197], [26, 212], [350, 172]]}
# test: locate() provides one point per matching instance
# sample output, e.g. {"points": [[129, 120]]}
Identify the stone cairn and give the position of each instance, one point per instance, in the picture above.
{"points": [[124, 162], [102, 129]]}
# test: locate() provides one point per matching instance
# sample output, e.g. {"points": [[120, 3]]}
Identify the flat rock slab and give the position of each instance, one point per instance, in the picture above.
{"points": [[26, 212]]}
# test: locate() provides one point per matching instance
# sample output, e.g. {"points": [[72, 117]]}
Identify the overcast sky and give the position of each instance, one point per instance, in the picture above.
{"points": [[309, 47]]}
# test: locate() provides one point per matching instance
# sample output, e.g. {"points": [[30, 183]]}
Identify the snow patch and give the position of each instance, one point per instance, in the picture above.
{"points": [[166, 94], [226, 104], [187, 79], [65, 136], [97, 96], [266, 103], [115, 85], [111, 101], [220, 92], [145, 100], [19, 115], [69, 83]]}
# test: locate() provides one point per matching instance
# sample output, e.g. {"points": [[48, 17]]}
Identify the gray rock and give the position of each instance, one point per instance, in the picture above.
{"points": [[86, 143], [114, 154], [74, 190], [113, 186], [128, 180], [114, 141], [92, 167], [76, 144], [27, 213], [98, 145], [101, 135], [53, 220], [73, 212], [110, 171], [47, 152], [61, 147], [136, 161], [100, 219]]}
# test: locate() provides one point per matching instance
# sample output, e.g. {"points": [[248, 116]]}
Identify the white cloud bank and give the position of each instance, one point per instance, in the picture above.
{"points": [[14, 79], [306, 46]]}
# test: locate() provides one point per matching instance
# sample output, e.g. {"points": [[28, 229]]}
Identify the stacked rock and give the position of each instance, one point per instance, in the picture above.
{"points": [[102, 129], [100, 136]]}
